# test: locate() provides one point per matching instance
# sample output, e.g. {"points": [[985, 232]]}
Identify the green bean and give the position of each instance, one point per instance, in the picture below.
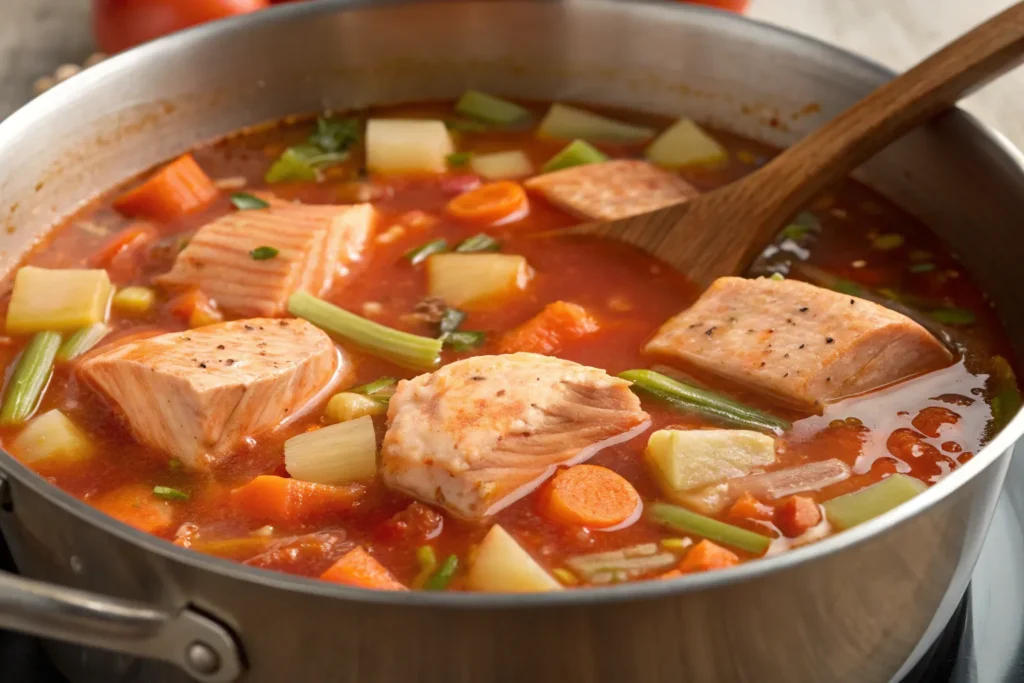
{"points": [[29, 378], [443, 576], [681, 519]]}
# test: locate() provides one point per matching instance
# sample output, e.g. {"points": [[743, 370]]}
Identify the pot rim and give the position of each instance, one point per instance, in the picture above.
{"points": [[728, 24]]}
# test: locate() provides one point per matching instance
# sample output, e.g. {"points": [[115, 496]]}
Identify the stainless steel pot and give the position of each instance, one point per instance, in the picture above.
{"points": [[861, 606]]}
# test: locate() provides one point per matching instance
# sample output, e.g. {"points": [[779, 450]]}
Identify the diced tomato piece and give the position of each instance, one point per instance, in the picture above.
{"points": [[358, 568], [135, 236], [276, 500], [414, 524], [706, 556], [797, 514], [559, 323]]}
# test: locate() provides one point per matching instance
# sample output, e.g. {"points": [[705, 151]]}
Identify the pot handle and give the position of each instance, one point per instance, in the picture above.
{"points": [[193, 642], [186, 638]]}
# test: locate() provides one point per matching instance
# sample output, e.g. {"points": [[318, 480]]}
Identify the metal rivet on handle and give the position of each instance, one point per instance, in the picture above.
{"points": [[202, 658]]}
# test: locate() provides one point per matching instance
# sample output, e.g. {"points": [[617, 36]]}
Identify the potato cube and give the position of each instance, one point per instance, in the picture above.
{"points": [[58, 300], [51, 437], [476, 280], [503, 566], [407, 146], [683, 460]]}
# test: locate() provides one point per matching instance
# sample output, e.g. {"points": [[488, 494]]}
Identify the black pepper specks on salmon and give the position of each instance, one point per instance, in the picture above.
{"points": [[229, 361], [695, 325], [220, 347], [249, 328], [802, 346], [852, 302], [804, 309], [829, 340], [478, 378], [763, 364], [202, 365], [710, 330]]}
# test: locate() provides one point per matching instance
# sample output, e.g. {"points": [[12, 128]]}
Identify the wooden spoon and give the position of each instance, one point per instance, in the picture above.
{"points": [[721, 232]]}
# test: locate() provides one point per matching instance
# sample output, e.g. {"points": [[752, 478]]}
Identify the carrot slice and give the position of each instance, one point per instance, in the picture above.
{"points": [[181, 187], [136, 506], [195, 307], [358, 568], [590, 496], [797, 514], [131, 238], [547, 332], [489, 203], [748, 507], [706, 556], [277, 500]]}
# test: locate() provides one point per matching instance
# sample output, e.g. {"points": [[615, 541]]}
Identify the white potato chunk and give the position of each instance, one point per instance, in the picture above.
{"points": [[407, 146], [683, 460], [501, 165], [476, 280], [51, 437], [503, 566], [684, 143]]}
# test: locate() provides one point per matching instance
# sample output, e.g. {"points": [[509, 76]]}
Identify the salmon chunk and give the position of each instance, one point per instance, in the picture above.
{"points": [[612, 189], [315, 245], [481, 433], [197, 395], [796, 342]]}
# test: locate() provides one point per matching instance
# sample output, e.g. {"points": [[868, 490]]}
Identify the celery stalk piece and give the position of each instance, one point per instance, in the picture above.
{"points": [[444, 574], [133, 300], [858, 507], [489, 108], [688, 398], [563, 122], [52, 437], [29, 379], [576, 153], [60, 300], [685, 144], [82, 341], [681, 519], [409, 350], [339, 454], [383, 387]]}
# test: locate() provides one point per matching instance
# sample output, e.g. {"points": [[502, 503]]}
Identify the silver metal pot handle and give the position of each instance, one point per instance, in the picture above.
{"points": [[187, 639]]}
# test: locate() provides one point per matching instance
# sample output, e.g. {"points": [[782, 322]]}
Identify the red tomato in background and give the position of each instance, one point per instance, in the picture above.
{"points": [[121, 24]]}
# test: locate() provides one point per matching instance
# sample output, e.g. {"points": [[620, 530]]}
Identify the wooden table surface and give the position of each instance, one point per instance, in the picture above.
{"points": [[36, 36]]}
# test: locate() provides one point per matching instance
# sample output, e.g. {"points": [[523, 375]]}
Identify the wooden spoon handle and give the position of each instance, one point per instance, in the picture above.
{"points": [[793, 178]]}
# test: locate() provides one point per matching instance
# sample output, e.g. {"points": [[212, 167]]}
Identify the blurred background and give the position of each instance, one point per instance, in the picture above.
{"points": [[39, 37]]}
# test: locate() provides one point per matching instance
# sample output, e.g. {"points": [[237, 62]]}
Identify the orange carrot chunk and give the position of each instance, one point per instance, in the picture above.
{"points": [[137, 506], [797, 514], [591, 496], [706, 556], [358, 568], [489, 203], [277, 500], [672, 574], [547, 332], [179, 188], [748, 507], [131, 238]]}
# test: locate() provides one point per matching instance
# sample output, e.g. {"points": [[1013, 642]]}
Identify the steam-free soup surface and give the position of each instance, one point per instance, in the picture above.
{"points": [[581, 414]]}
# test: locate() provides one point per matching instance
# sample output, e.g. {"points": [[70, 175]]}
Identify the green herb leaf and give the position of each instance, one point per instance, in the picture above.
{"points": [[302, 163], [335, 135], [420, 254], [463, 341], [795, 231], [953, 316], [440, 580], [167, 493], [480, 242], [921, 267], [244, 201], [459, 158], [451, 319], [888, 242], [263, 253]]}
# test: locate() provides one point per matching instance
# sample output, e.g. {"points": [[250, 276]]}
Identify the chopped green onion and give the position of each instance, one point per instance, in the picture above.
{"points": [[953, 316], [81, 341], [459, 158], [29, 378], [168, 493], [858, 507], [384, 385], [692, 399], [174, 464], [464, 341], [480, 242], [302, 163], [888, 242], [410, 350], [795, 231], [576, 153], [450, 320], [444, 574], [244, 201], [684, 520], [427, 560], [263, 253], [466, 126], [490, 108], [421, 253], [921, 267], [335, 135], [676, 543]]}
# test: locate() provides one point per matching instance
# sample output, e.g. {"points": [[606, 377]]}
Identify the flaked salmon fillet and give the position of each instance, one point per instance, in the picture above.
{"points": [[612, 189], [481, 433], [196, 395], [799, 343], [315, 246]]}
